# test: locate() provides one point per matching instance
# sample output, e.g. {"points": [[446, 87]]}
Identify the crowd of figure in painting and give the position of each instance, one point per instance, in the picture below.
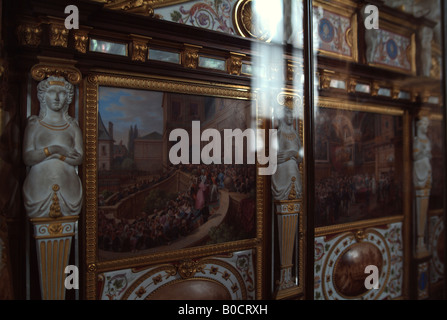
{"points": [[181, 214], [343, 197]]}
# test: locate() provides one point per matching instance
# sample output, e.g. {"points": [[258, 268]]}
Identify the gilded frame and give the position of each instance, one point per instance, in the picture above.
{"points": [[95, 266], [337, 104]]}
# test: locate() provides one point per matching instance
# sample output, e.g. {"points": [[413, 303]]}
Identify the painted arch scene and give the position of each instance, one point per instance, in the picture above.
{"points": [[148, 205]]}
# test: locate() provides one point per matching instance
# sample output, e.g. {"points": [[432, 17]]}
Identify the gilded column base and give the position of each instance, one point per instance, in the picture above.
{"points": [[287, 212], [53, 243]]}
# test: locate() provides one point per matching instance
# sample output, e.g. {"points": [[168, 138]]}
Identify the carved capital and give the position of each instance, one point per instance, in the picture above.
{"points": [[395, 92], [425, 94], [190, 56], [56, 67], [375, 86], [29, 34], [234, 63], [80, 37], [58, 35], [139, 48], [291, 101], [292, 70], [325, 79], [352, 83]]}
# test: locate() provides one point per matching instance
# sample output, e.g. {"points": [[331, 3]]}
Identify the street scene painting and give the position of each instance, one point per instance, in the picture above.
{"points": [[148, 205], [361, 176]]}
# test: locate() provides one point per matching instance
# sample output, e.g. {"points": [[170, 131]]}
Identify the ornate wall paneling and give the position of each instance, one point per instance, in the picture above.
{"points": [[176, 102], [336, 24], [362, 173], [342, 256], [227, 276], [209, 15], [393, 45]]}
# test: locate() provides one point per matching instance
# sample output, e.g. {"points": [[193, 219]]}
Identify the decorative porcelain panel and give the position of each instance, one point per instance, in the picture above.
{"points": [[436, 227], [333, 32], [213, 15], [341, 259], [391, 50], [227, 276]]}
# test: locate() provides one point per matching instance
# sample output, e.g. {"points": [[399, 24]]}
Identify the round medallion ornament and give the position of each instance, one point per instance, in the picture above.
{"points": [[246, 23], [326, 30], [391, 49], [349, 271]]}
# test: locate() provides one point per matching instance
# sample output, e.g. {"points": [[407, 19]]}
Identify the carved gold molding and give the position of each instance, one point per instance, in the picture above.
{"points": [[56, 67], [139, 47], [322, 231], [190, 56], [80, 37], [141, 7], [29, 34], [325, 77], [234, 63], [58, 34]]}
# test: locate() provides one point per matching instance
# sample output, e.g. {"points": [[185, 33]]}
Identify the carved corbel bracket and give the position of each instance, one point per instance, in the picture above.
{"points": [[190, 56], [325, 79], [139, 47], [351, 85], [58, 34], [56, 67], [234, 63], [293, 70], [375, 86], [80, 37], [29, 33]]}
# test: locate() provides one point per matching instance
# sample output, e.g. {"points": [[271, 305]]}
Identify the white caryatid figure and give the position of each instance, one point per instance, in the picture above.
{"points": [[52, 150], [286, 181], [422, 179], [286, 188]]}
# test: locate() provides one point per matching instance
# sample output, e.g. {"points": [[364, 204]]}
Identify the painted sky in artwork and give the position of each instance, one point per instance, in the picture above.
{"points": [[129, 107]]}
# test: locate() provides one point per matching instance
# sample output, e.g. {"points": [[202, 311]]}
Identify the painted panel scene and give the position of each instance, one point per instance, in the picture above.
{"points": [[148, 205], [358, 167]]}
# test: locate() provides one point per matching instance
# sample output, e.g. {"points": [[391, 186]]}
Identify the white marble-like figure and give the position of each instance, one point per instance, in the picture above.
{"points": [[52, 150], [422, 179], [286, 181], [422, 155], [373, 38], [431, 10]]}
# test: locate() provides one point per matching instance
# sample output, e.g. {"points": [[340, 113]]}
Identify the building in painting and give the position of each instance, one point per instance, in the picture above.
{"points": [[105, 145], [148, 152]]}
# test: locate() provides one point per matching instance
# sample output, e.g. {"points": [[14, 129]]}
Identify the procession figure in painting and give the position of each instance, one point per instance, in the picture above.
{"points": [[52, 149], [422, 179]]}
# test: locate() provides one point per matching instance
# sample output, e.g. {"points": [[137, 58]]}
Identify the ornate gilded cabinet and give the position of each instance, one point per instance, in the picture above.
{"points": [[232, 149]]}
